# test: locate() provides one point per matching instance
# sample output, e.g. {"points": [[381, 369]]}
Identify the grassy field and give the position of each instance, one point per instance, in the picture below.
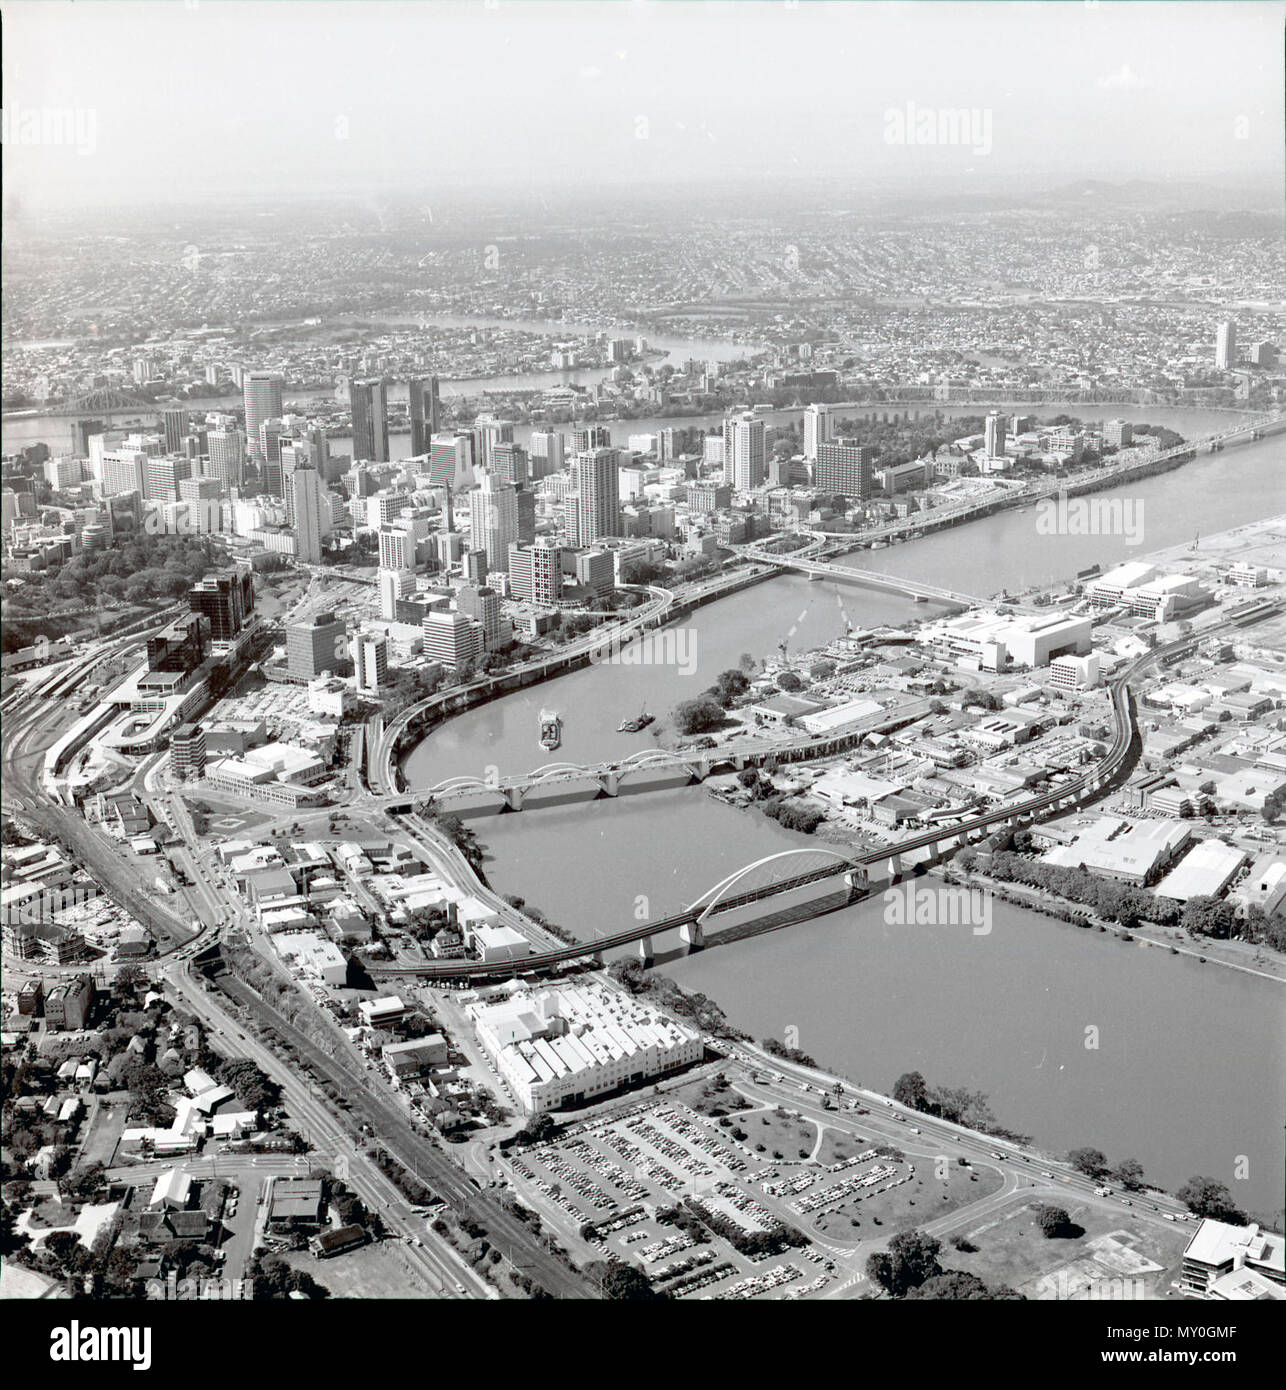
{"points": [[372, 1271], [1012, 1249], [925, 1198], [778, 1134], [838, 1144]]}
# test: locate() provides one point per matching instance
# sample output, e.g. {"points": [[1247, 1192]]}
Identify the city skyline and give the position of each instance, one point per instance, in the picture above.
{"points": [[644, 658]]}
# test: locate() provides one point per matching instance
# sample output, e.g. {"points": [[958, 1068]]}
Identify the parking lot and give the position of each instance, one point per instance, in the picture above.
{"points": [[699, 1211]]}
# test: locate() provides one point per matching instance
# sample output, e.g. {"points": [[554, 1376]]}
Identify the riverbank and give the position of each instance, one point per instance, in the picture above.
{"points": [[1244, 956]]}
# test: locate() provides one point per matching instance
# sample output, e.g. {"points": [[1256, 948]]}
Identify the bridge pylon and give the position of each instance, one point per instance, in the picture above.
{"points": [[646, 953], [693, 935]]}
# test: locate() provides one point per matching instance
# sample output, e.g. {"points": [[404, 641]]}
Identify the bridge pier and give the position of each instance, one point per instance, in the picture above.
{"points": [[609, 783], [895, 867], [858, 881], [646, 954], [513, 798], [692, 935]]}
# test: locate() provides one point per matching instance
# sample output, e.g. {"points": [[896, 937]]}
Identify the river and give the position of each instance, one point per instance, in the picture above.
{"points": [[1187, 1074]]}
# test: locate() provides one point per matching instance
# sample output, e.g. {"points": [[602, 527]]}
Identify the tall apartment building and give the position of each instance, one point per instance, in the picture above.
{"points": [[596, 509], [745, 451], [1225, 346], [817, 429], [370, 663], [994, 434]]}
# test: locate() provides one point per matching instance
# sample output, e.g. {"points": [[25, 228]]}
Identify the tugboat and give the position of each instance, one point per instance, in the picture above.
{"points": [[633, 726], [551, 730]]}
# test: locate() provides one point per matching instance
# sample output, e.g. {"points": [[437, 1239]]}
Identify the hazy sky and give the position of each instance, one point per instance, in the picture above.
{"points": [[182, 97]]}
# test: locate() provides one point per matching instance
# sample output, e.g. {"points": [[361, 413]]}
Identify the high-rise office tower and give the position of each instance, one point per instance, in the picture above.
{"points": [[482, 604], [174, 426], [597, 509], [591, 437], [261, 394], [451, 459], [488, 432], [369, 403], [397, 548], [269, 456], [545, 453], [844, 466], [317, 645], [817, 428], [425, 412], [394, 584], [451, 639], [227, 460], [526, 516], [536, 572], [493, 520], [995, 434], [370, 661], [122, 470], [474, 566], [1225, 346], [745, 456], [226, 600], [163, 475], [509, 462], [187, 751], [305, 517]]}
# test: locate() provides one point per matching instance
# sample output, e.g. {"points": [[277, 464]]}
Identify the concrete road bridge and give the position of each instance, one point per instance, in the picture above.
{"points": [[786, 872]]}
